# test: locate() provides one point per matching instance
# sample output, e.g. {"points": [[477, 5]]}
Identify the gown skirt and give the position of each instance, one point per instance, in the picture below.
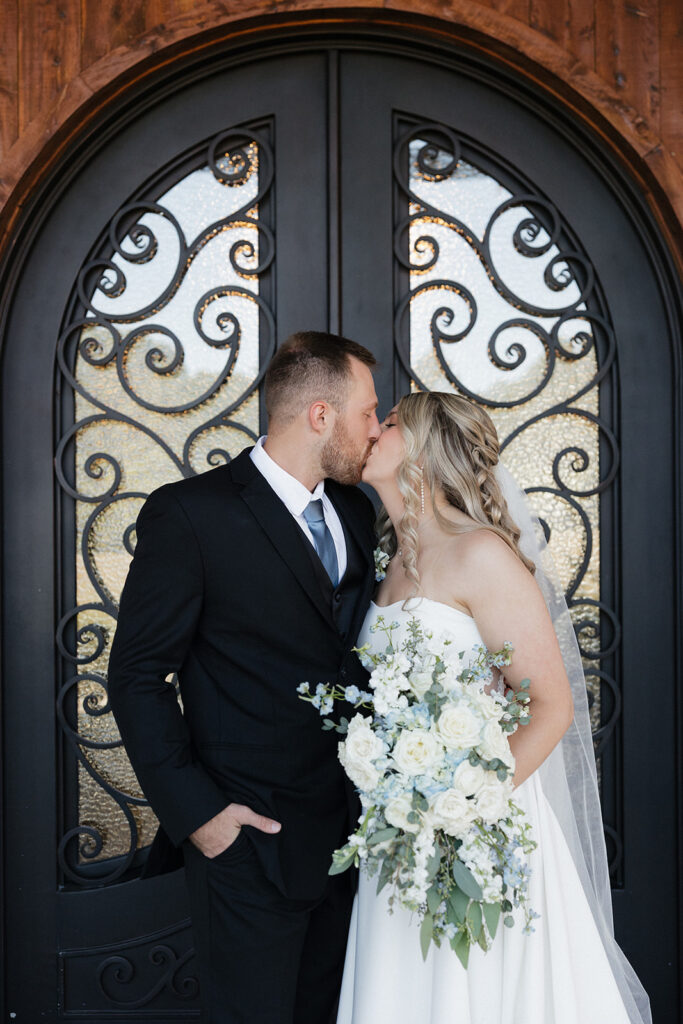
{"points": [[558, 974]]}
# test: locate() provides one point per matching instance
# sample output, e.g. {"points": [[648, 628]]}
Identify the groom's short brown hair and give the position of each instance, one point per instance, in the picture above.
{"points": [[310, 366]]}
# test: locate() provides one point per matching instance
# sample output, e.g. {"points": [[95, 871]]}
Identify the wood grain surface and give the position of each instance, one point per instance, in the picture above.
{"points": [[619, 60]]}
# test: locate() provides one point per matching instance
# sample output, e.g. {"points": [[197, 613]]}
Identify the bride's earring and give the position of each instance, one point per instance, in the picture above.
{"points": [[422, 491]]}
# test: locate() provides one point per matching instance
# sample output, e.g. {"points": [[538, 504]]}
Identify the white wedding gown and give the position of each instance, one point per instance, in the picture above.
{"points": [[559, 974]]}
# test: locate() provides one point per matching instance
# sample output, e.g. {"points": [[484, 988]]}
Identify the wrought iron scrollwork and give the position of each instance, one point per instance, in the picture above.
{"points": [[163, 352], [513, 244], [154, 973], [116, 972]]}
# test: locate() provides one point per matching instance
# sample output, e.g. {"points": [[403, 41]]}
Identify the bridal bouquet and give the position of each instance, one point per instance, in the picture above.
{"points": [[430, 757]]}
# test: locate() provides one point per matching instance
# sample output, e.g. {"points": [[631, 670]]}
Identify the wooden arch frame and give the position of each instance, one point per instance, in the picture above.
{"points": [[52, 137], [42, 160]]}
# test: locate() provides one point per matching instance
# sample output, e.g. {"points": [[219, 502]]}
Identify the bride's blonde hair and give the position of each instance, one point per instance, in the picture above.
{"points": [[451, 446]]}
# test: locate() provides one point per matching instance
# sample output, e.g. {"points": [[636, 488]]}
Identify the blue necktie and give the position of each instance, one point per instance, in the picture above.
{"points": [[322, 539]]}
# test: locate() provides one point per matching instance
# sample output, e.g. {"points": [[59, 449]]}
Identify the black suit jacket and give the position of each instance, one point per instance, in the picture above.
{"points": [[226, 590]]}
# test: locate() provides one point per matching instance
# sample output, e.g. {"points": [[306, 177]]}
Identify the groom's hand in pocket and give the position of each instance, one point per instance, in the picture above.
{"points": [[217, 834]]}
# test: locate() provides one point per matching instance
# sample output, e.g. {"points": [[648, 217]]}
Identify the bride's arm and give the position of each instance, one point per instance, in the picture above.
{"points": [[507, 604]]}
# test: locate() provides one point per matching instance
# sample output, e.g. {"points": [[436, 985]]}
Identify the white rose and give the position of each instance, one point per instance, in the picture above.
{"points": [[358, 752], [492, 799], [452, 812], [494, 743], [489, 707], [458, 726], [420, 683], [396, 812], [364, 777], [417, 751], [469, 778], [361, 742]]}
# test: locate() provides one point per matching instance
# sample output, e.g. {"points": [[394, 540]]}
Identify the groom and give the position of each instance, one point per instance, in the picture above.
{"points": [[247, 581]]}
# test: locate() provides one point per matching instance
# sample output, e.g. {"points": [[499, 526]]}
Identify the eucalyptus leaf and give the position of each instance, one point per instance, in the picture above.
{"points": [[458, 901], [465, 880], [433, 864], [419, 802], [474, 918], [508, 921], [461, 947], [341, 864], [433, 899], [385, 873], [492, 917], [426, 930], [382, 836]]}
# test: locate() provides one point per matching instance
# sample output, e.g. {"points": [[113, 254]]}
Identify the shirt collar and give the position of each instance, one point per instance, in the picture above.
{"points": [[290, 490]]}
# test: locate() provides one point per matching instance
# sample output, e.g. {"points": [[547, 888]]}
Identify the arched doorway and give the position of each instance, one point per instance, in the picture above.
{"points": [[430, 205]]}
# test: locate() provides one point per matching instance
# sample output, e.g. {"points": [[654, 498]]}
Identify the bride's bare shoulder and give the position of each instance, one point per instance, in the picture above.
{"points": [[482, 551]]}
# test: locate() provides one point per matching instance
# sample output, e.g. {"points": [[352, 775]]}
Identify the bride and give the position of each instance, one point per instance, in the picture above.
{"points": [[466, 560]]}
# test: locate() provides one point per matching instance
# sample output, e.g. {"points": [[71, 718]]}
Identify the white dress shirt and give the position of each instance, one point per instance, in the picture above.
{"points": [[295, 497]]}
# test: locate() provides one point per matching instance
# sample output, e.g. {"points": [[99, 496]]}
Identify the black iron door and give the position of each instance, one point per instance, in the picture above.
{"points": [[476, 241]]}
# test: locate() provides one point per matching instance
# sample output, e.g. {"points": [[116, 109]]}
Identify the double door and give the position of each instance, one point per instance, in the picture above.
{"points": [[473, 239]]}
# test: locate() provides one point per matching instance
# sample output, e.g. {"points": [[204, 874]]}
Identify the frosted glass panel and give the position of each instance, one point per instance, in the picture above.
{"points": [[500, 307], [164, 366]]}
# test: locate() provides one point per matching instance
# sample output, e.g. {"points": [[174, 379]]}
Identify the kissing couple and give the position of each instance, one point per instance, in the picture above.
{"points": [[259, 575]]}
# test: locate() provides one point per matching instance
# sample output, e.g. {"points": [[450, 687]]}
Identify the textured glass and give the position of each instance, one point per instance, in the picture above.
{"points": [[488, 286], [167, 359]]}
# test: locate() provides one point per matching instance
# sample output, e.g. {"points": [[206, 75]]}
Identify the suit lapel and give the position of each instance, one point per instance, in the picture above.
{"points": [[351, 521], [282, 531], [362, 532]]}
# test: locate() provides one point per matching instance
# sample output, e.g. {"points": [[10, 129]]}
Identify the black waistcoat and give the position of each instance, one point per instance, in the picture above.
{"points": [[342, 599]]}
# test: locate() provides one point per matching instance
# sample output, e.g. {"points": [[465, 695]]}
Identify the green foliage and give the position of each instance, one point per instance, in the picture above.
{"points": [[465, 880], [385, 873], [492, 917], [433, 864], [461, 947], [426, 934], [434, 899], [382, 836], [342, 860], [457, 903], [474, 919]]}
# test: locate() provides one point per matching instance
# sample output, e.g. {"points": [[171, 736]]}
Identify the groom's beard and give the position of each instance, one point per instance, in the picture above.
{"points": [[339, 461]]}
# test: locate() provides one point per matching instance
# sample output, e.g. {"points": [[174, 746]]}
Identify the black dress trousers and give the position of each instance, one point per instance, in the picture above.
{"points": [[264, 958]]}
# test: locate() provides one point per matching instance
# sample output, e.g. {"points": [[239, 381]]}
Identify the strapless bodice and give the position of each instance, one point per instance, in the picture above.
{"points": [[437, 617]]}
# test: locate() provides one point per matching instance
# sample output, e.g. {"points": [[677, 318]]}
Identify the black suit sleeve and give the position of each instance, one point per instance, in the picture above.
{"points": [[160, 607]]}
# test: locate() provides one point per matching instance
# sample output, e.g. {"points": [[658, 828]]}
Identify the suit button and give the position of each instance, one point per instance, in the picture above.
{"points": [[342, 674], [337, 598]]}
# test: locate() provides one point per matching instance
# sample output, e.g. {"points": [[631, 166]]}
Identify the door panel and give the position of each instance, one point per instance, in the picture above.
{"points": [[525, 148], [123, 948]]}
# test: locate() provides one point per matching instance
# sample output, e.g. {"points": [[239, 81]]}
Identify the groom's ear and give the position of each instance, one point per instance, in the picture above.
{"points": [[320, 417]]}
